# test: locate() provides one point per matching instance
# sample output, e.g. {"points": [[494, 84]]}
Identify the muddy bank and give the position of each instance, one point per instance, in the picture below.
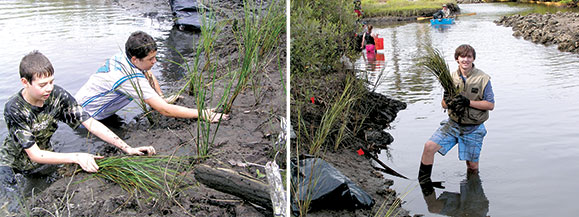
{"points": [[251, 136], [371, 114], [360, 168], [561, 29]]}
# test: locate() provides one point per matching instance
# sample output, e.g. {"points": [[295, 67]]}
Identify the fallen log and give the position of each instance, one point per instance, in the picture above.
{"points": [[234, 183]]}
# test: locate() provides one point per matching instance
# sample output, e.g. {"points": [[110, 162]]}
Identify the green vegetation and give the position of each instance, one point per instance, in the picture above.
{"points": [[139, 174], [209, 32], [322, 33], [326, 96], [434, 62], [256, 40], [401, 8]]}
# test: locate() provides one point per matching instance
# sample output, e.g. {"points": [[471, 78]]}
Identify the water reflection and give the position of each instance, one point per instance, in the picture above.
{"points": [[538, 110], [396, 71], [471, 201], [441, 28]]}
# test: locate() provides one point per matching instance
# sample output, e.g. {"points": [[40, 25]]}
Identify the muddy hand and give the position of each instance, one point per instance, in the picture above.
{"points": [[215, 116], [87, 162], [144, 150], [173, 98]]}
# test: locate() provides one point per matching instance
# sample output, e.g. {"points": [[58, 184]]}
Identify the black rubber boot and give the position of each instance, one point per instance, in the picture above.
{"points": [[424, 179], [424, 173]]}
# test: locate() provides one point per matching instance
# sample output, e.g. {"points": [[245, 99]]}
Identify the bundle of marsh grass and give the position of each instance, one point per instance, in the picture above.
{"points": [[434, 62], [147, 174]]}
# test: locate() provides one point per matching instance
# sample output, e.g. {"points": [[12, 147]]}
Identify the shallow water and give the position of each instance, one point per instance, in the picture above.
{"points": [[529, 159], [77, 36]]}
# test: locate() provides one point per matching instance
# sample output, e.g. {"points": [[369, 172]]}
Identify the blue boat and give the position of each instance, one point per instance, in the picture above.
{"points": [[444, 21]]}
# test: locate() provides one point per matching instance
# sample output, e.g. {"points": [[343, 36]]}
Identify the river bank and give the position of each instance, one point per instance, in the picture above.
{"points": [[561, 29], [250, 136], [366, 120]]}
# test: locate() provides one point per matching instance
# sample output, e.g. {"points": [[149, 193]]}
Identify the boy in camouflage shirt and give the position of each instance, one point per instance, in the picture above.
{"points": [[31, 116]]}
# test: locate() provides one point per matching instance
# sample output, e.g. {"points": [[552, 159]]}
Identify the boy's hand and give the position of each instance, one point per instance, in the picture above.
{"points": [[86, 161], [461, 100], [214, 116], [148, 150], [173, 98]]}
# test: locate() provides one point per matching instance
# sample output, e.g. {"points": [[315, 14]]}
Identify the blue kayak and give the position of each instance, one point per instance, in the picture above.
{"points": [[444, 21]]}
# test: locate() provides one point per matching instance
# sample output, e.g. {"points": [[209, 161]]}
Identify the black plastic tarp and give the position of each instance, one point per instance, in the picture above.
{"points": [[326, 187], [186, 13]]}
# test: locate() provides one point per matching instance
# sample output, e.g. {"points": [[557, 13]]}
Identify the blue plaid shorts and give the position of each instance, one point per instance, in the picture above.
{"points": [[469, 141]]}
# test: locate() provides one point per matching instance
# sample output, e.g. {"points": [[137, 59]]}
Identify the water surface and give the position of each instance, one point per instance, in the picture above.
{"points": [[530, 155], [77, 37]]}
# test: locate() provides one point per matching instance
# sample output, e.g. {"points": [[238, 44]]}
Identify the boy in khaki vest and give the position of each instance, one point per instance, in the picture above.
{"points": [[465, 128]]}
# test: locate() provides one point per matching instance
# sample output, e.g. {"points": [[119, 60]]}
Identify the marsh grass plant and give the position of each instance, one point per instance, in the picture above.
{"points": [[402, 8], [256, 40], [297, 193], [335, 118], [201, 83], [392, 208], [332, 129], [150, 175], [434, 63]]}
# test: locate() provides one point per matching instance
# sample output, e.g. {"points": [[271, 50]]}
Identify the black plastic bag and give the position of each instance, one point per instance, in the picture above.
{"points": [[325, 187], [186, 14]]}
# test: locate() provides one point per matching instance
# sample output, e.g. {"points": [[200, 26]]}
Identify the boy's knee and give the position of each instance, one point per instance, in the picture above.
{"points": [[472, 166], [431, 147]]}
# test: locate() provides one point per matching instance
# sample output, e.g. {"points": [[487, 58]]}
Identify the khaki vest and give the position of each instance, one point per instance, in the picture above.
{"points": [[473, 89]]}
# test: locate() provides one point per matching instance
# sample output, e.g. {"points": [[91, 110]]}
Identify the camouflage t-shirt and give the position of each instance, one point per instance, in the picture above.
{"points": [[29, 125]]}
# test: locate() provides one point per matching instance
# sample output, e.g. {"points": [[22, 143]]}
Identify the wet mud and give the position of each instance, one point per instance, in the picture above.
{"points": [[250, 135]]}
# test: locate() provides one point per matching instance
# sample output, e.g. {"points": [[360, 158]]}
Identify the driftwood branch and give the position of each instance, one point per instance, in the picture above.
{"points": [[234, 183]]}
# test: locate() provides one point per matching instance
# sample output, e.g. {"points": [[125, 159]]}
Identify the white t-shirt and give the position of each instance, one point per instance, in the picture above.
{"points": [[112, 87]]}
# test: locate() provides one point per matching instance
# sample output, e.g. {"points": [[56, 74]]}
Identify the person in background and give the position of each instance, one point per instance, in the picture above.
{"points": [[444, 13], [467, 113], [368, 41], [358, 8], [31, 116], [127, 76]]}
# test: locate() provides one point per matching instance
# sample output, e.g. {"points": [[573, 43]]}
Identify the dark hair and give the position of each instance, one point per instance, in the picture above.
{"points": [[139, 45], [35, 63], [370, 28], [463, 50]]}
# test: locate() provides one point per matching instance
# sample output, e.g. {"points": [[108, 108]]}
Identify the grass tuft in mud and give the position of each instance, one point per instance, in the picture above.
{"points": [[140, 174], [256, 39]]}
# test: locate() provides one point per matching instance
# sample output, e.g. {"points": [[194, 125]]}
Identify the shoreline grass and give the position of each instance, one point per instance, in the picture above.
{"points": [[401, 8], [256, 42]]}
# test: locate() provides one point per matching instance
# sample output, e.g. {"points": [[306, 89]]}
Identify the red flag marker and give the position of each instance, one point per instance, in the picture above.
{"points": [[360, 152], [313, 100]]}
